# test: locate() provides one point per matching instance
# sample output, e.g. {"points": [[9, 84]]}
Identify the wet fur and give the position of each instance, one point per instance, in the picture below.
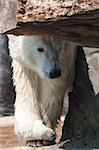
{"points": [[39, 100]]}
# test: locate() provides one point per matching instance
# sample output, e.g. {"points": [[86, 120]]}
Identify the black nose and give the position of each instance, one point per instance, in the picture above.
{"points": [[55, 73]]}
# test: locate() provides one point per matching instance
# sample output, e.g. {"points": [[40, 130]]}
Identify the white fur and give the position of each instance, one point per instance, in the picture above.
{"points": [[39, 99]]}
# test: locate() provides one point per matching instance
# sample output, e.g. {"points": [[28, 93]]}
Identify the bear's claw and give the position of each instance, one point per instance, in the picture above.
{"points": [[39, 143]]}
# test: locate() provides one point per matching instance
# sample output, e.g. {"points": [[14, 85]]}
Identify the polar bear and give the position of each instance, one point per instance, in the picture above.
{"points": [[43, 72]]}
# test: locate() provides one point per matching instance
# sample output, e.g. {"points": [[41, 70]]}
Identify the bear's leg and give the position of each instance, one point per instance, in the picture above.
{"points": [[28, 121], [31, 128], [52, 96]]}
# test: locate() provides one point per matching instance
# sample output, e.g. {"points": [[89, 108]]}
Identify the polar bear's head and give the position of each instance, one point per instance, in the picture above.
{"points": [[40, 54]]}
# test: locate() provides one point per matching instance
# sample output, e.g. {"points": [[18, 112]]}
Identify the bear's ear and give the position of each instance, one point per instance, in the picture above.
{"points": [[92, 57], [14, 45]]}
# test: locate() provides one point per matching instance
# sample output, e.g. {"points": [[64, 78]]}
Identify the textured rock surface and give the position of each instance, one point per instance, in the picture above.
{"points": [[6, 87], [31, 10], [7, 15], [82, 121], [71, 19]]}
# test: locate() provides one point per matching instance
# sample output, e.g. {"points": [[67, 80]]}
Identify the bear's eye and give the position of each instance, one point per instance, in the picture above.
{"points": [[40, 50]]}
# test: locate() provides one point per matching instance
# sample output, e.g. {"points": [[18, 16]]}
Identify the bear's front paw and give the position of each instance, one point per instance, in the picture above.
{"points": [[48, 138], [48, 134], [36, 134]]}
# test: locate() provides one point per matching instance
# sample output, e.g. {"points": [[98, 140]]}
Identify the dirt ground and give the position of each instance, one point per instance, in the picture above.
{"points": [[8, 139]]}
